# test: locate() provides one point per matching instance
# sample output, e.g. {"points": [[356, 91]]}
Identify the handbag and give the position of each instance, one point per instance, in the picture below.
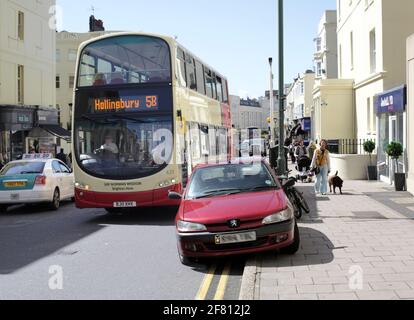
{"points": [[316, 170]]}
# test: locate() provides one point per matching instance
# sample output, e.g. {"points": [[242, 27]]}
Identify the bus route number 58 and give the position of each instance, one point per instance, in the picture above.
{"points": [[152, 102]]}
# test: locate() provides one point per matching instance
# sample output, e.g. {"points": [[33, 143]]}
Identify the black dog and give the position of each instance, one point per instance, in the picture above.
{"points": [[335, 182]]}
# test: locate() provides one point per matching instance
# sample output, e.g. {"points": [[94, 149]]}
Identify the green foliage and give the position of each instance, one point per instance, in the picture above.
{"points": [[395, 150], [369, 146]]}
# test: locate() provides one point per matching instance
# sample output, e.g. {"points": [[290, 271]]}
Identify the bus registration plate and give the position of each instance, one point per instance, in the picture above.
{"points": [[125, 204]]}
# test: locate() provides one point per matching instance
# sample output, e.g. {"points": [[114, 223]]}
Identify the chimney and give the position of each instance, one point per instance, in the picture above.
{"points": [[95, 25]]}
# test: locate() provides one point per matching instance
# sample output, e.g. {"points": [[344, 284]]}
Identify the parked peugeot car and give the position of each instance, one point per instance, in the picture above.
{"points": [[234, 208], [36, 179]]}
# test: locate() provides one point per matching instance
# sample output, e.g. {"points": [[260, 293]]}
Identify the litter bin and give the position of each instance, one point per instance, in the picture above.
{"points": [[273, 156]]}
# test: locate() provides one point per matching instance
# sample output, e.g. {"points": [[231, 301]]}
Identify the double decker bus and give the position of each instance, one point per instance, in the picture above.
{"points": [[146, 112]]}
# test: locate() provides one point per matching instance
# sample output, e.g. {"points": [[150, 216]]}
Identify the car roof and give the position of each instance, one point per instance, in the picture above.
{"points": [[34, 160], [235, 161]]}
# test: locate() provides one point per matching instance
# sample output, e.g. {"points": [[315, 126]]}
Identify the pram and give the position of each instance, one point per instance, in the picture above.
{"points": [[303, 168]]}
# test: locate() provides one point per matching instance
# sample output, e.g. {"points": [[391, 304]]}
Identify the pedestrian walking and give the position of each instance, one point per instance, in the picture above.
{"points": [[321, 165], [311, 149], [62, 156]]}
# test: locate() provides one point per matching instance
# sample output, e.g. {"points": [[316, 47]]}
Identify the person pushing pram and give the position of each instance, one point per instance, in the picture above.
{"points": [[303, 162]]}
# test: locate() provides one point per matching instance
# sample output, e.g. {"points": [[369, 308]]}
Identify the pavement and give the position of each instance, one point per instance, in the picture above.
{"points": [[355, 246]]}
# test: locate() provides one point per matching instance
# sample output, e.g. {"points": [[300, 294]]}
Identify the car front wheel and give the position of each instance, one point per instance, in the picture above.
{"points": [[3, 208], [186, 261], [56, 200]]}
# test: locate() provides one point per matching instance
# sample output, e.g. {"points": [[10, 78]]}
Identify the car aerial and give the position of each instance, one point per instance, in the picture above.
{"points": [[234, 208], [35, 179]]}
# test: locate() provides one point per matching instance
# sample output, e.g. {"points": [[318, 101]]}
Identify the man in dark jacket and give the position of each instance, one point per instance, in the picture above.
{"points": [[62, 156]]}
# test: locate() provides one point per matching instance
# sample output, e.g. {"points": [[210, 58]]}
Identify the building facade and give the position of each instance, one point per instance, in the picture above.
{"points": [[410, 112], [332, 115], [299, 102], [371, 50], [326, 44], [67, 44], [247, 113], [27, 78]]}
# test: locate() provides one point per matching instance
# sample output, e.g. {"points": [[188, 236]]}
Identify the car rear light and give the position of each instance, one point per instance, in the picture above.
{"points": [[40, 180]]}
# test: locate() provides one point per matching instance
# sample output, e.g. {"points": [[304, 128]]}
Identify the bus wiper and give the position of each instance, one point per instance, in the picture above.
{"points": [[127, 118], [226, 192]]}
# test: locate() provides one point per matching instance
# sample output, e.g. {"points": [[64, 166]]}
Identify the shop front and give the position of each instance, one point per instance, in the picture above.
{"points": [[28, 129], [392, 127]]}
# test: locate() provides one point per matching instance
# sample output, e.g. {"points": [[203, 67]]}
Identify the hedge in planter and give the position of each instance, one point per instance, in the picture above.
{"points": [[369, 147], [395, 150]]}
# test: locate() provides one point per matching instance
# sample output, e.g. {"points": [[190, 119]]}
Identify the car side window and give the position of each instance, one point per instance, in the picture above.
{"points": [[64, 168], [56, 167]]}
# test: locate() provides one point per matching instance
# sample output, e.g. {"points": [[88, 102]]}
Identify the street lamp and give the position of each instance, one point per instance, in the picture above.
{"points": [[281, 160], [271, 103]]}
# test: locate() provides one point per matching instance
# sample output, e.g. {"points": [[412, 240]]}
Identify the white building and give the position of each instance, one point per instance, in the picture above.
{"points": [[299, 101], [410, 112], [67, 44], [371, 50], [326, 53], [247, 113], [333, 100], [27, 77]]}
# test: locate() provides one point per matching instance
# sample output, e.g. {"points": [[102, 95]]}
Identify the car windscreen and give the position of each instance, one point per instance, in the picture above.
{"points": [[231, 178], [18, 168]]}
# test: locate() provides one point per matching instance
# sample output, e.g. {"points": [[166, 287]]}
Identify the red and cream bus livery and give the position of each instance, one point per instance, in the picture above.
{"points": [[146, 112]]}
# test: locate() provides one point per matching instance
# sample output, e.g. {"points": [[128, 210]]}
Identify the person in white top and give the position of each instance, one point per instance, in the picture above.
{"points": [[110, 145]]}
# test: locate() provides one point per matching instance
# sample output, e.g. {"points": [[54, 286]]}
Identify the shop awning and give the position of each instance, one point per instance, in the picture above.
{"points": [[57, 131]]}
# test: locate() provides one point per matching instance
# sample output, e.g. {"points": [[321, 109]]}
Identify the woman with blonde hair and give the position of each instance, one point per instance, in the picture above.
{"points": [[321, 165]]}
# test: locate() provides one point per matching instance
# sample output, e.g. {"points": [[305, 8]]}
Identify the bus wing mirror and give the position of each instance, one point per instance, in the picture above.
{"points": [[174, 195]]}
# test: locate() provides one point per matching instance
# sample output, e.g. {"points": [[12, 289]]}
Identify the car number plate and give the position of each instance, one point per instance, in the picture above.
{"points": [[125, 204], [15, 184], [14, 196], [236, 238]]}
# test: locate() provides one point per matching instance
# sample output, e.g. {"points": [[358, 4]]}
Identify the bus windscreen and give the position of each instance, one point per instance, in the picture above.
{"points": [[125, 60]]}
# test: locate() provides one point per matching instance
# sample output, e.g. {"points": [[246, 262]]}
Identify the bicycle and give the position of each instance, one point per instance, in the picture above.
{"points": [[295, 197]]}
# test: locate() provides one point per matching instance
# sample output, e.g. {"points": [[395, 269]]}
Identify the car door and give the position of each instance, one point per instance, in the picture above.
{"points": [[58, 178], [68, 181]]}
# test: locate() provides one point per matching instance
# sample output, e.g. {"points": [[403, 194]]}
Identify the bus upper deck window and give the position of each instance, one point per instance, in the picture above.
{"points": [[100, 80], [117, 78]]}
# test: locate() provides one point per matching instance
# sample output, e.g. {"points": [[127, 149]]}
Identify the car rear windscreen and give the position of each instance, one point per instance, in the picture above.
{"points": [[23, 168]]}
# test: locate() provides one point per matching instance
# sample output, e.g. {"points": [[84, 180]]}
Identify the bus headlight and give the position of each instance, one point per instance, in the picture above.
{"points": [[167, 183], [82, 186], [183, 226]]}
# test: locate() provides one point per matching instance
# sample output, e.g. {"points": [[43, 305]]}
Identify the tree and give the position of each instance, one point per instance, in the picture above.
{"points": [[369, 147], [395, 150]]}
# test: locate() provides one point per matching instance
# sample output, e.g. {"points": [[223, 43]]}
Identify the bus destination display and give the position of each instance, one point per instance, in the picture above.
{"points": [[137, 103]]}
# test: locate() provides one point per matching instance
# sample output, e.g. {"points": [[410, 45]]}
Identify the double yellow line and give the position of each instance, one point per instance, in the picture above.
{"points": [[208, 279]]}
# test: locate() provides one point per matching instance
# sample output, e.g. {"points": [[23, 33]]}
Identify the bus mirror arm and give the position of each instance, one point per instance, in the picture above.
{"points": [[174, 195]]}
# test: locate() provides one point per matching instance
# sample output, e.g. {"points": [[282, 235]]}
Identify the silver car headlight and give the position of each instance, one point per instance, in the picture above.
{"points": [[282, 216], [183, 226]]}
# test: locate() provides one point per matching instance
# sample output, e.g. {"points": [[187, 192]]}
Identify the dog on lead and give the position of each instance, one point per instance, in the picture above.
{"points": [[335, 182]]}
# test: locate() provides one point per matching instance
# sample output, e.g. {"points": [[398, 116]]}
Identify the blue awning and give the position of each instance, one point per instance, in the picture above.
{"points": [[392, 101]]}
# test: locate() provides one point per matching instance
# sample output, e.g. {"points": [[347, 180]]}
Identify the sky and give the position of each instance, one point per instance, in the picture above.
{"points": [[235, 37]]}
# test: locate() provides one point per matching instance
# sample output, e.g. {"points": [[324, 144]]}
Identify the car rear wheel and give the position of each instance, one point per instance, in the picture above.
{"points": [[56, 200], [294, 247], [3, 208]]}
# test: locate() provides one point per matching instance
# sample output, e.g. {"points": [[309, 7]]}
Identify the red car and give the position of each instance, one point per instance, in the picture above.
{"points": [[232, 209]]}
